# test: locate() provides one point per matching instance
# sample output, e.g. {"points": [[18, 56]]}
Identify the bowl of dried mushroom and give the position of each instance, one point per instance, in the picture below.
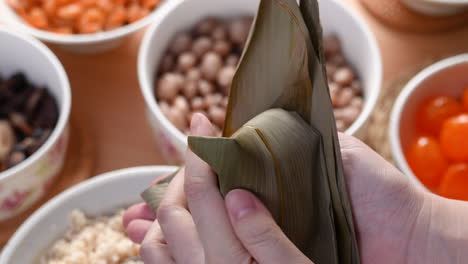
{"points": [[35, 102], [189, 56]]}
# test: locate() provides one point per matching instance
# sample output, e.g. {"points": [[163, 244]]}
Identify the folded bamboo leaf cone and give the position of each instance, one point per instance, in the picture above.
{"points": [[280, 140]]}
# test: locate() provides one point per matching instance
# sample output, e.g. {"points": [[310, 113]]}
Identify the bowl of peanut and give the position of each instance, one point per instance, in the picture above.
{"points": [[35, 103], [82, 26], [189, 56]]}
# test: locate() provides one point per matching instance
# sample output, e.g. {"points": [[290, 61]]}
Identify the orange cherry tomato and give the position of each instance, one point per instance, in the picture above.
{"points": [[465, 99], [427, 162], [435, 111], [454, 138], [454, 184]]}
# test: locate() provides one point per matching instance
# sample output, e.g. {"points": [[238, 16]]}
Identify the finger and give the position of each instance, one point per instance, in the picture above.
{"points": [[207, 205], [137, 229], [259, 233], [137, 211], [153, 248], [177, 224]]}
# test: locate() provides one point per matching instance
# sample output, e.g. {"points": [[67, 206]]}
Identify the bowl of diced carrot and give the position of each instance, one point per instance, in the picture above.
{"points": [[84, 26], [429, 128]]}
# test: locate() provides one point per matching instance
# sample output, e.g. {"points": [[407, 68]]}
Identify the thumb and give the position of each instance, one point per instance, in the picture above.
{"points": [[258, 231]]}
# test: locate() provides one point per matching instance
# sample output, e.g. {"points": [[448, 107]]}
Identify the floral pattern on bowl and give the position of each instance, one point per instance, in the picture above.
{"points": [[21, 191]]}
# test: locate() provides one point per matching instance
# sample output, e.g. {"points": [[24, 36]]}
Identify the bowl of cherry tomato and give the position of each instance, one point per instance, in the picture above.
{"points": [[429, 128]]}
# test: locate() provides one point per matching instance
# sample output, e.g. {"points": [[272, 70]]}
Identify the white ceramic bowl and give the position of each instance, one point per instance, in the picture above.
{"points": [[101, 195], [437, 7], [446, 77], [25, 183], [359, 46], [78, 43]]}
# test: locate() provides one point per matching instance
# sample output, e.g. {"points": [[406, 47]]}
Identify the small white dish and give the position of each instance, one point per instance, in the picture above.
{"points": [[437, 7], [101, 195], [359, 46], [446, 77], [77, 43], [24, 184]]}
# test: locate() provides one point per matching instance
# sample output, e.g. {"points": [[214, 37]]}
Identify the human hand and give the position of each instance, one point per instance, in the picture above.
{"points": [[196, 225], [392, 217]]}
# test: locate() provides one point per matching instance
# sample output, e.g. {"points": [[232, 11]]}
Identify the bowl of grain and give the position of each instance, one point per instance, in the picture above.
{"points": [[188, 58], [89, 214], [35, 103], [79, 26]]}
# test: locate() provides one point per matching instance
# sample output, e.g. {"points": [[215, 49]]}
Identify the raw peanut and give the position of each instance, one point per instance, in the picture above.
{"points": [[182, 42], [334, 93], [65, 2], [210, 65], [120, 2], [20, 6], [225, 102], [91, 21], [225, 77], [178, 119], [222, 47], [63, 30], [219, 33], [217, 115], [181, 104], [186, 61], [331, 45], [337, 60], [58, 23], [343, 76], [105, 5], [239, 30], [205, 87], [347, 114], [190, 89], [340, 125], [345, 96], [150, 4], [50, 7], [167, 63], [194, 74], [198, 104], [38, 18], [116, 18], [169, 86], [357, 87], [135, 12], [357, 102], [206, 26], [232, 60], [201, 46], [213, 99], [85, 3], [7, 139], [70, 11], [331, 69], [165, 108]]}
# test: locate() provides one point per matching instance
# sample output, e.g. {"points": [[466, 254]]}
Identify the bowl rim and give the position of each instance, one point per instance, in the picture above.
{"points": [[64, 109], [402, 100], [13, 20], [77, 190], [152, 102]]}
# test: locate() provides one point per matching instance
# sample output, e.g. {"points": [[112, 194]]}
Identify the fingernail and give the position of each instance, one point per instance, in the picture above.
{"points": [[195, 123], [240, 203]]}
